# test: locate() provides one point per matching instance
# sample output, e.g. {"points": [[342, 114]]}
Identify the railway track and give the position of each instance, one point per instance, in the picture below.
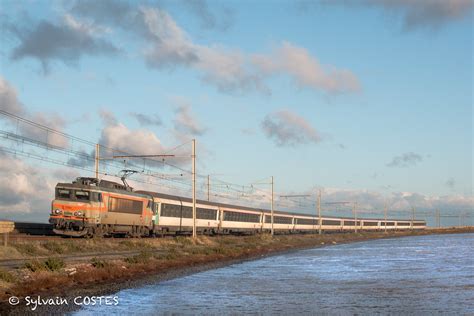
{"points": [[26, 237], [75, 258]]}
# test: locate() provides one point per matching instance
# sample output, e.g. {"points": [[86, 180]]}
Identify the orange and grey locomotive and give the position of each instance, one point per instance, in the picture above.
{"points": [[92, 207]]}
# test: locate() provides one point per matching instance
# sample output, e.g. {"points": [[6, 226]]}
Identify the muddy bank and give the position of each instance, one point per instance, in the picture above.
{"points": [[176, 257]]}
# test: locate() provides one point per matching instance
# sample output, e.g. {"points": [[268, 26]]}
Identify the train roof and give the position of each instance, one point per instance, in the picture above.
{"points": [[224, 205]]}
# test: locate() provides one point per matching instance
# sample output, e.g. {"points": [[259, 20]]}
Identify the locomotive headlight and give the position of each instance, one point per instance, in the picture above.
{"points": [[57, 211], [78, 213]]}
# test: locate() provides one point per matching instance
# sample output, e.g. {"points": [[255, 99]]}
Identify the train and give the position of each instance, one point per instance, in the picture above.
{"points": [[90, 207]]}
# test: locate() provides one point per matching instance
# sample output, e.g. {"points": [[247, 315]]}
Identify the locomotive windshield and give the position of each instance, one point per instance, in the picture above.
{"points": [[77, 195], [82, 195], [63, 194]]}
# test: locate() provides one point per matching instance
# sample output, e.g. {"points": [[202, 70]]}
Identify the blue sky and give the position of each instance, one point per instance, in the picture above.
{"points": [[386, 109]]}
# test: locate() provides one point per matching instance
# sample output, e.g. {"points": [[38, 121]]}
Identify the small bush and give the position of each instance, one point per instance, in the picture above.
{"points": [[35, 265], [128, 244], [50, 264], [169, 256], [27, 248], [99, 263], [78, 245], [222, 250], [54, 264], [142, 257], [185, 241], [6, 276], [54, 247]]}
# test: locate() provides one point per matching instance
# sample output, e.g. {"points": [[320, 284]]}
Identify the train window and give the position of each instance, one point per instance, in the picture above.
{"points": [[96, 196], [241, 217], [278, 219], [332, 222], [63, 194], [171, 210], [82, 195], [186, 212], [119, 205], [203, 213], [370, 223], [306, 221]]}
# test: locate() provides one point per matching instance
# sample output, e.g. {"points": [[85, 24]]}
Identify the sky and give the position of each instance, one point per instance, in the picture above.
{"points": [[369, 101]]}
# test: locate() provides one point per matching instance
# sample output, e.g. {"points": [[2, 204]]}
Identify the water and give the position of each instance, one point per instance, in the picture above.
{"points": [[412, 275]]}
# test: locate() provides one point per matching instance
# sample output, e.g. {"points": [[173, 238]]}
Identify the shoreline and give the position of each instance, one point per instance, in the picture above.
{"points": [[119, 276]]}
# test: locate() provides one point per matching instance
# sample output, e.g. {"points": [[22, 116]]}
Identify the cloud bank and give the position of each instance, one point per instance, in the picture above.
{"points": [[67, 40], [90, 28]]}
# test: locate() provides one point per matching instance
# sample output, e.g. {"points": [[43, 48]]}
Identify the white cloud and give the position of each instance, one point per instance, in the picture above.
{"points": [[27, 189], [289, 129], [186, 122], [8, 98], [10, 103], [306, 70], [118, 136], [231, 70]]}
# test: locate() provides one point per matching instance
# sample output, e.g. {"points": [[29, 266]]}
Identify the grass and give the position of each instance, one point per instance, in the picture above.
{"points": [[51, 264], [34, 266], [99, 263], [54, 264], [142, 257], [54, 246], [30, 249], [6, 276]]}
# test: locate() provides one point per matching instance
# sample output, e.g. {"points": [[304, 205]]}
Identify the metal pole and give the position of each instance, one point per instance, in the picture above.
{"points": [[208, 187], [355, 216], [412, 217], [385, 210], [272, 205], [319, 213], [97, 159], [438, 222], [193, 156]]}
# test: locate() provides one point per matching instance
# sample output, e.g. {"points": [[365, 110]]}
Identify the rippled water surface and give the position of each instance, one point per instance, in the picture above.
{"points": [[411, 275]]}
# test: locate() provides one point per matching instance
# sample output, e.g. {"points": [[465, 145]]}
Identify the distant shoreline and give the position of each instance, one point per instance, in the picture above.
{"points": [[163, 259]]}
